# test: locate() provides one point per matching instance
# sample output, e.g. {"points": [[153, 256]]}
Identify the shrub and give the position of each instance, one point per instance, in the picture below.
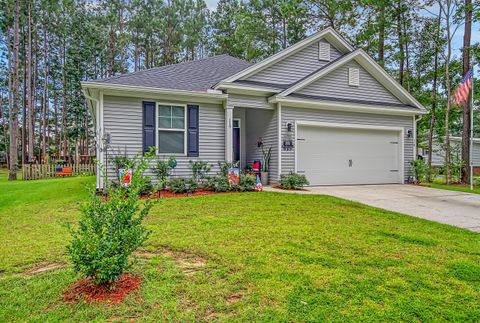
{"points": [[419, 170], [163, 169], [246, 183], [182, 185], [200, 169], [293, 181], [109, 231], [224, 166], [218, 184], [147, 186]]}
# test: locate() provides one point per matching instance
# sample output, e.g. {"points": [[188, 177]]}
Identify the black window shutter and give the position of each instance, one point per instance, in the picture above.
{"points": [[148, 126], [193, 131]]}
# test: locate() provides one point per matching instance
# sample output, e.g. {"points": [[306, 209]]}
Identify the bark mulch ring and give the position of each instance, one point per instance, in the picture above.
{"points": [[86, 290], [168, 194]]}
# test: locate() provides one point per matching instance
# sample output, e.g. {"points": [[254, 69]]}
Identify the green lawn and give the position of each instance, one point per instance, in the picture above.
{"points": [[245, 257], [457, 188]]}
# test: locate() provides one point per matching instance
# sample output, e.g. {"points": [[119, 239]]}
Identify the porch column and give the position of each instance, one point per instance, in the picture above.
{"points": [[228, 133]]}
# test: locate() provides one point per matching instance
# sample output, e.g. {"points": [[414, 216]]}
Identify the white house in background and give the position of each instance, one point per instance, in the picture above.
{"points": [[327, 110], [438, 152]]}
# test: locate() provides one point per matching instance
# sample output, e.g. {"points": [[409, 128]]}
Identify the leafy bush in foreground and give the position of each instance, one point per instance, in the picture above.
{"points": [[109, 231], [293, 181], [182, 185]]}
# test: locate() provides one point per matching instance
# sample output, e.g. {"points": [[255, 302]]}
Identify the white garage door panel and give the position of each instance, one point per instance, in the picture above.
{"points": [[335, 156]]}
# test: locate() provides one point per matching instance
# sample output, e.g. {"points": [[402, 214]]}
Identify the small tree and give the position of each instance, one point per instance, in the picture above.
{"points": [[200, 169], [163, 169], [110, 230]]}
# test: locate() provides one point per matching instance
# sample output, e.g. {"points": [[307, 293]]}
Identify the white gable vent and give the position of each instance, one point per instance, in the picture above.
{"points": [[353, 76], [324, 51]]}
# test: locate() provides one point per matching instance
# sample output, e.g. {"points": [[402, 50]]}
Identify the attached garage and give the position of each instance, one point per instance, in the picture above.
{"points": [[337, 154]]}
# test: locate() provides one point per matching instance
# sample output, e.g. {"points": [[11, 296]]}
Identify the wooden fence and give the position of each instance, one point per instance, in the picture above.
{"points": [[40, 171]]}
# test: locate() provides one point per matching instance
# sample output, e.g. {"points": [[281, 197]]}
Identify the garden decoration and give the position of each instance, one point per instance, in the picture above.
{"points": [[258, 185]]}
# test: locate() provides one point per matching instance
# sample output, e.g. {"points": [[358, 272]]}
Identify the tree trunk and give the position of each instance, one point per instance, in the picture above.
{"points": [[24, 104], [401, 53], [31, 89], [15, 100], [434, 98], [45, 97], [381, 37], [466, 107], [448, 85]]}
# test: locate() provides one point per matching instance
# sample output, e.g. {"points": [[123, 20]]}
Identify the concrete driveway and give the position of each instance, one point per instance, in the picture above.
{"points": [[449, 207]]}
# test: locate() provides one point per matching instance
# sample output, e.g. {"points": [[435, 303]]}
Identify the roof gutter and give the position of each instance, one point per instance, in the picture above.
{"points": [[151, 90]]}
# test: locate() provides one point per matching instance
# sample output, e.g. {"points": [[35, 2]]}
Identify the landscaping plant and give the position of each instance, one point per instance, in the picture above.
{"points": [[200, 169], [246, 183], [218, 184], [163, 170], [419, 170], [293, 181], [182, 185], [120, 161], [110, 229]]}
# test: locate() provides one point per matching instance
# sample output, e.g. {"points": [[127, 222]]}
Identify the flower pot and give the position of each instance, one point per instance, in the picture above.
{"points": [[264, 178]]}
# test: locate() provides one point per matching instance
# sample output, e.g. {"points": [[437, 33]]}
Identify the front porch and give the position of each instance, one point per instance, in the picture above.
{"points": [[245, 129]]}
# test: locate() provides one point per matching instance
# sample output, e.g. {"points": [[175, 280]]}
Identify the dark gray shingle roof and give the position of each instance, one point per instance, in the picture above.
{"points": [[198, 75]]}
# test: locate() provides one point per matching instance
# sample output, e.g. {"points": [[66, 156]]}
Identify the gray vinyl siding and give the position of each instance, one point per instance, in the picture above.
{"points": [[123, 120], [249, 101], [290, 114], [335, 85], [295, 66], [438, 152], [262, 124]]}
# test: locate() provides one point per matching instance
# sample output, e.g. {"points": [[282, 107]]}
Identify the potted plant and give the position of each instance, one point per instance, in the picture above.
{"points": [[267, 154]]}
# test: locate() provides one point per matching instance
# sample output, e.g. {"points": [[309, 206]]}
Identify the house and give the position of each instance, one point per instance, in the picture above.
{"points": [[438, 152], [327, 110]]}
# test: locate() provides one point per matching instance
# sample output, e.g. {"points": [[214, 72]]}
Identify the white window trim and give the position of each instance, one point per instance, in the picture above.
{"points": [[158, 129]]}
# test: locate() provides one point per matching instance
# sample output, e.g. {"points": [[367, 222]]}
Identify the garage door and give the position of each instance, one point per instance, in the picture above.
{"points": [[337, 156]]}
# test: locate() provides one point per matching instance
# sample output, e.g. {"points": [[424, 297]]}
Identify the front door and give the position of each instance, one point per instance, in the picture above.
{"points": [[236, 140]]}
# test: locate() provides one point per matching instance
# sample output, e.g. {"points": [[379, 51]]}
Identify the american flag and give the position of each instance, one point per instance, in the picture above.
{"points": [[463, 89]]}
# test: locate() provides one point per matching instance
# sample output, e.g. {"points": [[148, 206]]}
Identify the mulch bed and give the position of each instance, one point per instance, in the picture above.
{"points": [[86, 290], [168, 194]]}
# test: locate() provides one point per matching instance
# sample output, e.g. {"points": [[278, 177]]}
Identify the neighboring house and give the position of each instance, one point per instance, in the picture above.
{"points": [[327, 110], [438, 152]]}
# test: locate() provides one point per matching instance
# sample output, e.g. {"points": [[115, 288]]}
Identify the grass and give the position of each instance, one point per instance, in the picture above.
{"points": [[454, 187], [269, 257]]}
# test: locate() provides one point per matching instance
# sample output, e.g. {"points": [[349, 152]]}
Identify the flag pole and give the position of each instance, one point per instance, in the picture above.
{"points": [[471, 134]]}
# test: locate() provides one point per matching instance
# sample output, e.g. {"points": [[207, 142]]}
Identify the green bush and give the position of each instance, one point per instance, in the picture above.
{"points": [[419, 170], [246, 183], [121, 161], [218, 184], [200, 169], [147, 186], [182, 185], [109, 231], [162, 170], [293, 181]]}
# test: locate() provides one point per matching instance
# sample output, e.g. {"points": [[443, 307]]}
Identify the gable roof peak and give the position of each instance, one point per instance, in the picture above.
{"points": [[330, 34]]}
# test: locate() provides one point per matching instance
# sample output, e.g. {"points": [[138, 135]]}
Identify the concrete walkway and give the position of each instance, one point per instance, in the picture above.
{"points": [[454, 208]]}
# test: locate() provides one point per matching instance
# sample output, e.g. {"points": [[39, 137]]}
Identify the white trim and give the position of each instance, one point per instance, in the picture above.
{"points": [[279, 133], [101, 132], [342, 106], [158, 129], [228, 133], [329, 32], [372, 67], [400, 130], [151, 90], [248, 88]]}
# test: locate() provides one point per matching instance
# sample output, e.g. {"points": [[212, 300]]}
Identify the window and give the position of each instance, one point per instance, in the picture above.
{"points": [[171, 129]]}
